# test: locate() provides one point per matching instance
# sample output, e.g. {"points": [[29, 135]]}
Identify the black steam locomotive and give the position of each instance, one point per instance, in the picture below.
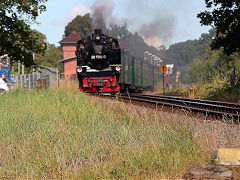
{"points": [[98, 63]]}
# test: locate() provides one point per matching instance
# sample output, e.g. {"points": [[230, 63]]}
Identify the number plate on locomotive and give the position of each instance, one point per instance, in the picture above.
{"points": [[98, 56]]}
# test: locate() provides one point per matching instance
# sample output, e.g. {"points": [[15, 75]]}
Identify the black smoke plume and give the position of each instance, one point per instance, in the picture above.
{"points": [[101, 13]]}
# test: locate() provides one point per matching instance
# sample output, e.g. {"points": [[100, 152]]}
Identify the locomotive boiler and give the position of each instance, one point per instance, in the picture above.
{"points": [[98, 63]]}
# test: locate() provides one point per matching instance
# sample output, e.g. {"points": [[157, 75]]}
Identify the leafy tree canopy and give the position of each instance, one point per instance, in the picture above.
{"points": [[50, 58], [118, 31], [182, 54], [80, 24], [224, 15], [212, 64], [17, 39]]}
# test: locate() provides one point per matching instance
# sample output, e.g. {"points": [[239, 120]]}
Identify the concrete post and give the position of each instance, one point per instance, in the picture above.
{"points": [[22, 68], [57, 77], [19, 69]]}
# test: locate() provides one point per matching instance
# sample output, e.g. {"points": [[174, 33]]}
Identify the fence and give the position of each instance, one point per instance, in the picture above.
{"points": [[36, 80]]}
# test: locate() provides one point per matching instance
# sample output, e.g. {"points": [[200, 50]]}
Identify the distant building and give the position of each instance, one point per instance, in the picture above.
{"points": [[69, 60], [53, 75]]}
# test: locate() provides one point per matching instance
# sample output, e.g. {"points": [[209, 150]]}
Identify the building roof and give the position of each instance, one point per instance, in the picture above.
{"points": [[72, 38], [68, 59], [50, 69]]}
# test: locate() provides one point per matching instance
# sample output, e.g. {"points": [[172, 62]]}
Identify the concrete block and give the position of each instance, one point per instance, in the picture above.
{"points": [[226, 156], [208, 172]]}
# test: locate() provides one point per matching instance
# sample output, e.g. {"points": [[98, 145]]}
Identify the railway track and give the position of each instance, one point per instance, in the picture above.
{"points": [[214, 109]]}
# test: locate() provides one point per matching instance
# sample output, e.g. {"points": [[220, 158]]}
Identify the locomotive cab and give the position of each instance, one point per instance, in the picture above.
{"points": [[98, 63]]}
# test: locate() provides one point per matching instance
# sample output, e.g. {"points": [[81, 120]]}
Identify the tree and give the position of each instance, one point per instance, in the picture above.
{"points": [[80, 24], [204, 69], [17, 39], [50, 58], [212, 64], [224, 15], [118, 31]]}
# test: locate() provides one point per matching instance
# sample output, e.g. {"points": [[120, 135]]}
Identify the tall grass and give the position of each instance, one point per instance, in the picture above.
{"points": [[66, 134], [216, 90]]}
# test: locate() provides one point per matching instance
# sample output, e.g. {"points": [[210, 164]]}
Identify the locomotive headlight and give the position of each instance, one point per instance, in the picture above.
{"points": [[118, 68], [79, 69], [98, 38]]}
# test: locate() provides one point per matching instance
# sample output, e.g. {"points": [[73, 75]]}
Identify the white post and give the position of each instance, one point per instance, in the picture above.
{"points": [[19, 69], [29, 84], [33, 80], [57, 77], [22, 68], [25, 81], [21, 80]]}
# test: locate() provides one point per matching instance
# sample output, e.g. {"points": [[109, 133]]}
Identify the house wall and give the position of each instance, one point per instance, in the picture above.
{"points": [[68, 50], [69, 66]]}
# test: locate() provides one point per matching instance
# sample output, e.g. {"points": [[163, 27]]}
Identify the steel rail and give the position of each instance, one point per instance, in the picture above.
{"points": [[218, 106], [217, 110], [220, 103]]}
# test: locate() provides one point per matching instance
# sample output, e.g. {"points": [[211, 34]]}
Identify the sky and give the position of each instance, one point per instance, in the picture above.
{"points": [[157, 21]]}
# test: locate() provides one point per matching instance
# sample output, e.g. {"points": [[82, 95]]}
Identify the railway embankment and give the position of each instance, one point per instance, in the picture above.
{"points": [[66, 134]]}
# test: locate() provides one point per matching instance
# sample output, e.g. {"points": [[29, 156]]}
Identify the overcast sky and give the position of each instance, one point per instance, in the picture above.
{"points": [[166, 22]]}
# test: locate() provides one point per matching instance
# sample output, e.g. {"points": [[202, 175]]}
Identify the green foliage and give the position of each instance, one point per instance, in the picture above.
{"points": [[50, 58], [80, 24], [118, 32], [210, 75], [15, 8], [16, 38], [204, 68], [218, 89], [182, 54], [213, 63], [179, 90], [224, 15]]}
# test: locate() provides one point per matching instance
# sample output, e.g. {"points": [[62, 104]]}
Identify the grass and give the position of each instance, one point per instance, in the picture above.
{"points": [[66, 134], [220, 90]]}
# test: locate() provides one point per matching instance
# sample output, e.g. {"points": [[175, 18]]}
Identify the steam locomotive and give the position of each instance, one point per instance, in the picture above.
{"points": [[98, 63], [102, 67]]}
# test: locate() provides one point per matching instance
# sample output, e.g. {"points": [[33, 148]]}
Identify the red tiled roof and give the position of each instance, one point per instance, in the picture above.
{"points": [[72, 38]]}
